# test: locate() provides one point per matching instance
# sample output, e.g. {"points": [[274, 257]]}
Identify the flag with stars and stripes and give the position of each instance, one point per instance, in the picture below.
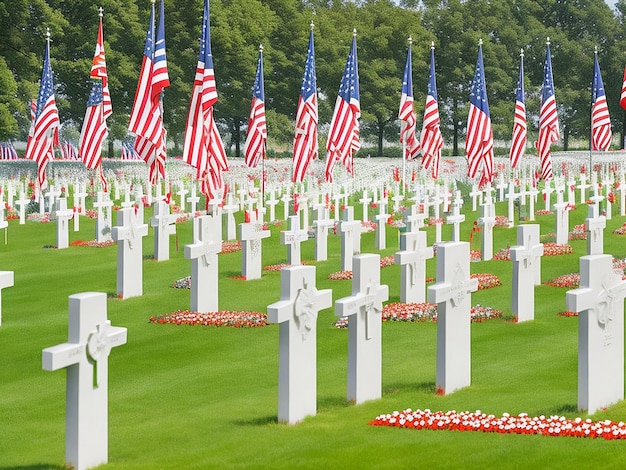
{"points": [[548, 119], [518, 144], [600, 118], [406, 114], [256, 137], [432, 141], [479, 139], [46, 125], [343, 137]]}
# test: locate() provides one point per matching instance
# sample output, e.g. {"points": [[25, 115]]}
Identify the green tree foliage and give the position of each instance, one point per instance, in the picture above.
{"points": [[238, 27]]}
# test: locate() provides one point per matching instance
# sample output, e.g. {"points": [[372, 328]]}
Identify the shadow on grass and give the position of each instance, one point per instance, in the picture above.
{"points": [[423, 387], [260, 421], [561, 410]]}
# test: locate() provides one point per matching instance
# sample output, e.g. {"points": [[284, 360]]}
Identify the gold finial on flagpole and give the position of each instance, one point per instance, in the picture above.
{"points": [[410, 40], [354, 32], [548, 41], [432, 44], [521, 52]]}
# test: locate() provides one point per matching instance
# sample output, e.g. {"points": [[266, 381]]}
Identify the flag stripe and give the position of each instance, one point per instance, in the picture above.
{"points": [[548, 120], [432, 141], [600, 119], [254, 148]]}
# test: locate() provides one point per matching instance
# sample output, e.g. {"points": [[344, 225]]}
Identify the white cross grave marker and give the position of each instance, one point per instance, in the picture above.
{"points": [[321, 224], [128, 234], [452, 294], [251, 235], [456, 219], [363, 309], [350, 238], [594, 226], [62, 215], [412, 261], [600, 305], [525, 259], [293, 238], [204, 267], [296, 313], [103, 221], [487, 219], [164, 225], [85, 357]]}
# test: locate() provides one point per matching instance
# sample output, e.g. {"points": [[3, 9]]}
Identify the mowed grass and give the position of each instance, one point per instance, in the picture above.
{"points": [[206, 397]]}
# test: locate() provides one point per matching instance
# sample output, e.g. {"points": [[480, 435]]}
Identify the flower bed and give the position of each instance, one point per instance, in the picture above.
{"points": [[184, 283], [571, 281], [278, 267], [505, 424], [92, 243], [486, 280], [385, 262], [230, 247], [579, 232], [554, 249], [221, 318], [424, 311], [621, 230], [501, 221], [503, 255]]}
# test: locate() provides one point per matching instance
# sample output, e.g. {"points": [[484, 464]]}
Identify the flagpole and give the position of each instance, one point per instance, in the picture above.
{"points": [[595, 53]]}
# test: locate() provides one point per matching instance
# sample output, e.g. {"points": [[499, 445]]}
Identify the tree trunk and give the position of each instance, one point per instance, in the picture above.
{"points": [[565, 139], [111, 154], [455, 130], [381, 130], [236, 134]]}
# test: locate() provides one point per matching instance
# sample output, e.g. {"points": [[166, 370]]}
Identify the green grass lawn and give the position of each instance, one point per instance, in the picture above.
{"points": [[206, 397]]}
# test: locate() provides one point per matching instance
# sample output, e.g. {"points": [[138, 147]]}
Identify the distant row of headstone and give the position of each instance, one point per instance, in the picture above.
{"points": [[91, 337]]}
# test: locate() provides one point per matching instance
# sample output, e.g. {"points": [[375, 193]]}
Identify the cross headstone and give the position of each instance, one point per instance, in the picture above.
{"points": [[229, 209], [599, 302], [286, 199], [182, 192], [204, 265], [583, 187], [571, 191], [193, 200], [561, 211], [251, 235], [511, 196], [526, 260], [501, 186], [452, 294], [413, 219], [296, 313], [6, 280], [350, 238], [79, 197], [52, 194], [272, 202], [547, 195], [476, 194], [412, 261], [397, 198], [365, 201], [621, 187], [321, 224], [380, 238], [85, 357], [594, 226], [103, 221], [363, 309], [62, 215], [487, 220], [163, 224], [293, 238], [456, 218], [22, 202], [128, 234], [532, 192]]}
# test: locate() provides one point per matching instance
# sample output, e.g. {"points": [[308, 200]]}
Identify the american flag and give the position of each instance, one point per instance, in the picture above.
{"points": [[305, 146], [8, 151], [99, 108], [203, 148], [406, 114], [68, 151], [128, 152], [254, 148], [146, 120], [600, 119], [622, 100], [518, 144], [548, 119], [432, 141], [343, 137], [479, 139], [46, 128]]}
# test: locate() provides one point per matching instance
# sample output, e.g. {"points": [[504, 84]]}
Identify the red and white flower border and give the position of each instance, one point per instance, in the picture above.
{"points": [[505, 424]]}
